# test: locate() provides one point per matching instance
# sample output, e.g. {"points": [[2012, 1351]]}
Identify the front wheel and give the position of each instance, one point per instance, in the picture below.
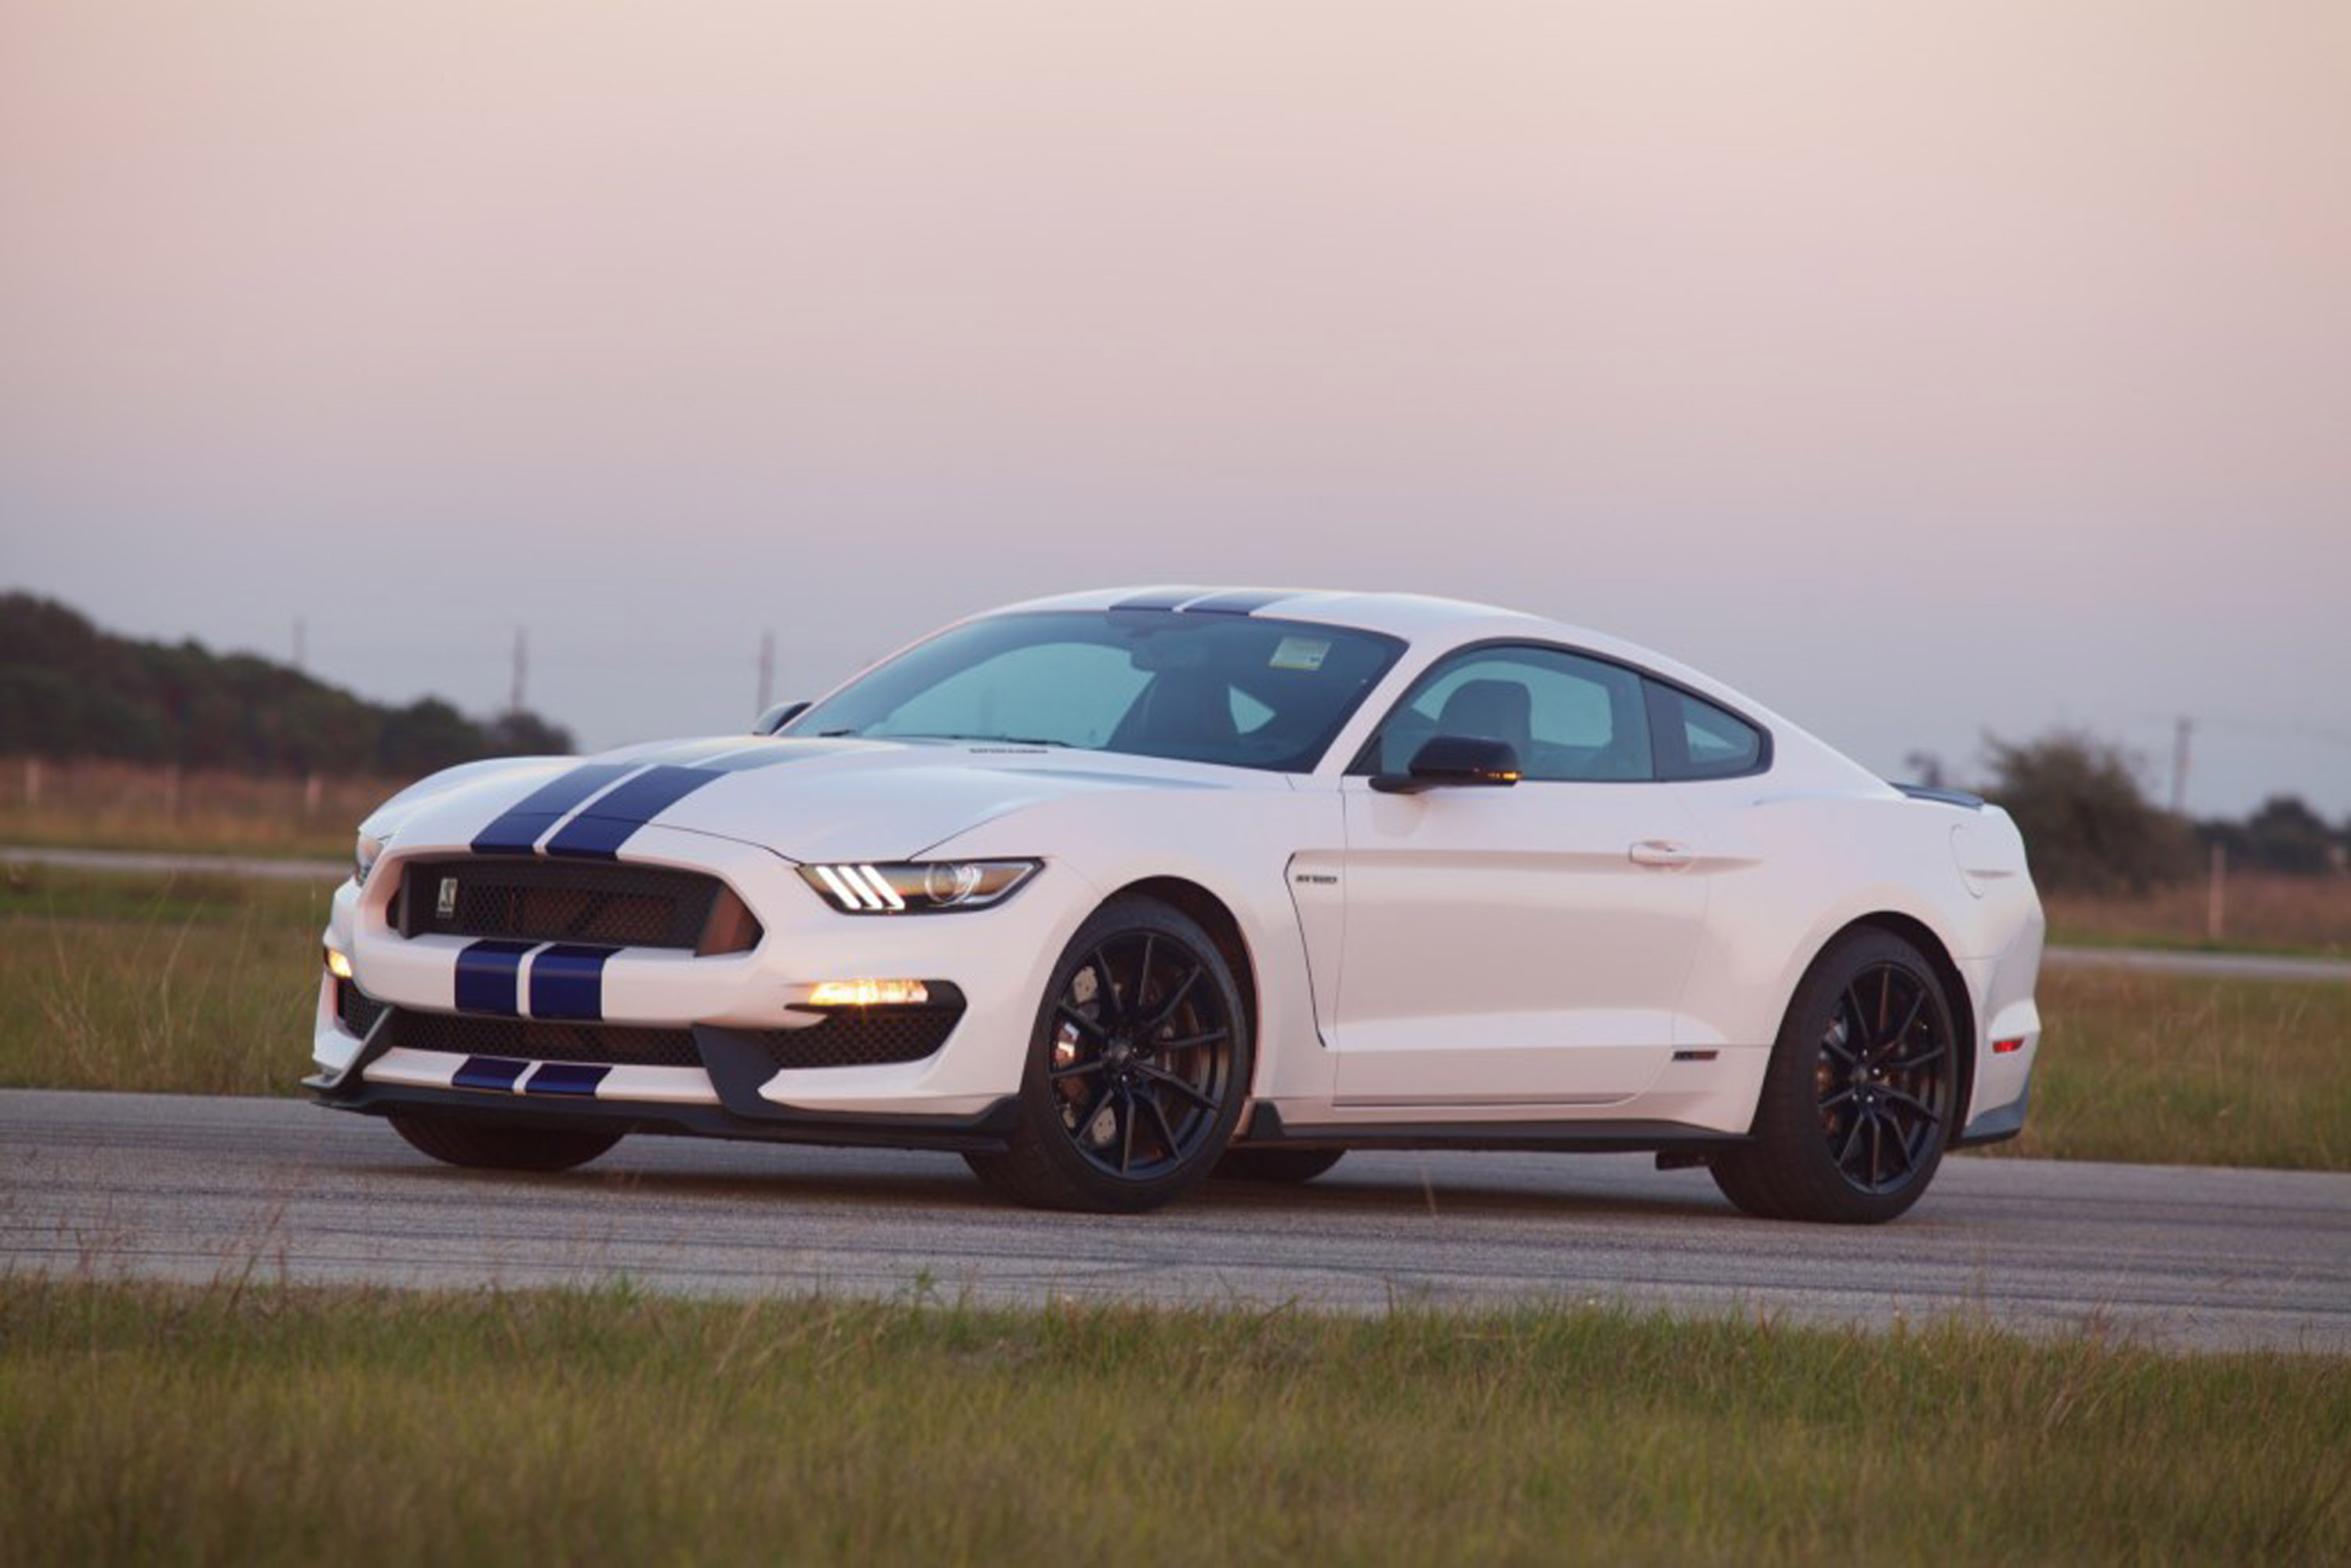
{"points": [[1858, 1103], [1136, 1067]]}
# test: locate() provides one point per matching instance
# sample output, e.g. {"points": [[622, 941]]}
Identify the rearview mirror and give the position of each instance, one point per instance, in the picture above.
{"points": [[776, 718], [1449, 760]]}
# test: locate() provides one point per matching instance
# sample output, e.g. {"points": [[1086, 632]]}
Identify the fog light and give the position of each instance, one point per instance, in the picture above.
{"points": [[338, 964], [869, 994]]}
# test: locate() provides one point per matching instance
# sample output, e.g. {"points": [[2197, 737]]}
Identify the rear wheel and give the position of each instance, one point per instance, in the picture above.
{"points": [[487, 1145], [1136, 1067], [1293, 1166], [1858, 1103]]}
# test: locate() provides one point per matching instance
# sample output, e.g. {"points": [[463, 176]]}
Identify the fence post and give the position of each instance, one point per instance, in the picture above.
{"points": [[32, 782], [310, 798], [2216, 893]]}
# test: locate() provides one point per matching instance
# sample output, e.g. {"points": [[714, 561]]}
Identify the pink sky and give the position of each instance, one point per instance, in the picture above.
{"points": [[1920, 368]]}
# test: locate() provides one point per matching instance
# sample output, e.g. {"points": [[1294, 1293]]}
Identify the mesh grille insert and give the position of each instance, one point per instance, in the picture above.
{"points": [[356, 1009], [864, 1037], [535, 1041]]}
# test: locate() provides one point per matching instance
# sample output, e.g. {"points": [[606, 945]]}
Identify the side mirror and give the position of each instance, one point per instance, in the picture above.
{"points": [[776, 718], [1450, 760]]}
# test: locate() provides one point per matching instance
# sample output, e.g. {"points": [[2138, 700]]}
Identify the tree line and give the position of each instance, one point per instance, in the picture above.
{"points": [[2089, 827], [68, 689]]}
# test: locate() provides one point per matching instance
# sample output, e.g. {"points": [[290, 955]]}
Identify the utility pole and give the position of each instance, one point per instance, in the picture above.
{"points": [[2179, 743], [767, 671], [521, 668]]}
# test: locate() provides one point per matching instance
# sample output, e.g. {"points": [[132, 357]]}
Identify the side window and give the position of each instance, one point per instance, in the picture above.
{"points": [[1697, 739], [1569, 718]]}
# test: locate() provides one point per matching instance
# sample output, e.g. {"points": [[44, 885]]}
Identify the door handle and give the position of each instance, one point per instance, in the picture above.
{"points": [[1665, 853]]}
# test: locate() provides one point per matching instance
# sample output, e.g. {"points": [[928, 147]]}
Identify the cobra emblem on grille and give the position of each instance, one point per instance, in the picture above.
{"points": [[446, 905]]}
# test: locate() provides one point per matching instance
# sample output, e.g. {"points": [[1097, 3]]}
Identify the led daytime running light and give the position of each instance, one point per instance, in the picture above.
{"points": [[916, 887]]}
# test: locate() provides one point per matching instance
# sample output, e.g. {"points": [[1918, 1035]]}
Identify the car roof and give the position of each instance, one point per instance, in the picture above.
{"points": [[1414, 617], [1400, 614]]}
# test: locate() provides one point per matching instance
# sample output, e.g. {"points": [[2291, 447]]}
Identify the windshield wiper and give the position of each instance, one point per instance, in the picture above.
{"points": [[991, 739]]}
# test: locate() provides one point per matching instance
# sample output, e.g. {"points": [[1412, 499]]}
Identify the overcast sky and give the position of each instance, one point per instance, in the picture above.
{"points": [[1921, 368]]}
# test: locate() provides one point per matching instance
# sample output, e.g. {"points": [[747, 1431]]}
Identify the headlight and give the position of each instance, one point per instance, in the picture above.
{"points": [[365, 854], [918, 887]]}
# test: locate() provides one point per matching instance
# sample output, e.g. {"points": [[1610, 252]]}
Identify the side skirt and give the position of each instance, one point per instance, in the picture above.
{"points": [[1265, 1128]]}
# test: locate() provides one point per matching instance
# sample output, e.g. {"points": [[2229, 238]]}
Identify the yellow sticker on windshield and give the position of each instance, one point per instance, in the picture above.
{"points": [[1301, 653]]}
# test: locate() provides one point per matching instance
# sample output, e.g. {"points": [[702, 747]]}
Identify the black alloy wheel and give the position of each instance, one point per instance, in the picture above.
{"points": [[1858, 1103], [1882, 1076], [1136, 1069]]}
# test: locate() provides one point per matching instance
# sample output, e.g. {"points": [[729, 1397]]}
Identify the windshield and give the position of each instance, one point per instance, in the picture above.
{"points": [[1231, 689]]}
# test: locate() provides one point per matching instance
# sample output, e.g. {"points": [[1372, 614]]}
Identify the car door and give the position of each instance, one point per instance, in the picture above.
{"points": [[1523, 945]]}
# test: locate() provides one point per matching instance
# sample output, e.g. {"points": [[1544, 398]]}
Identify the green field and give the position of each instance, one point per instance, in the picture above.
{"points": [[205, 984], [237, 1425]]}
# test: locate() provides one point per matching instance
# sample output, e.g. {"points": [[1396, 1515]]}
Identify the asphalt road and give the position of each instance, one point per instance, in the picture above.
{"points": [[200, 1189]]}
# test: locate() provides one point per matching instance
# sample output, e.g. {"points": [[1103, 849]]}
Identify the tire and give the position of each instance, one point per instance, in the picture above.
{"points": [[487, 1145], [1292, 1167], [1857, 1104], [1137, 1066]]}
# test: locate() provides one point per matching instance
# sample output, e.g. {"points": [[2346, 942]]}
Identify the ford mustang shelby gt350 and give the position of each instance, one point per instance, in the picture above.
{"points": [[1113, 891]]}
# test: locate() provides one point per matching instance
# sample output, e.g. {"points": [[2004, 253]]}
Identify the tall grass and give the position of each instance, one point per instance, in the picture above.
{"points": [[2172, 1070], [182, 984], [244, 1424]]}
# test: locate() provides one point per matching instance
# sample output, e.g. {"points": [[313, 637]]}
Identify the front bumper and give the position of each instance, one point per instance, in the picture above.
{"points": [[999, 959]]}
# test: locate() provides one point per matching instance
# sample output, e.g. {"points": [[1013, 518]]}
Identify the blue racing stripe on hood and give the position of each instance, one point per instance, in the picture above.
{"points": [[597, 832], [516, 829]]}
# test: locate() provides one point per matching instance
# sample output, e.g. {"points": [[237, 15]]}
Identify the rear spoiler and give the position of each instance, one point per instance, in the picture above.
{"points": [[1943, 797]]}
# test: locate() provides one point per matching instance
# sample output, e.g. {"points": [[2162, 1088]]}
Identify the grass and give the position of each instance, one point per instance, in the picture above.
{"points": [[234, 1424], [205, 984], [2179, 1070], [182, 984], [2264, 913], [124, 806]]}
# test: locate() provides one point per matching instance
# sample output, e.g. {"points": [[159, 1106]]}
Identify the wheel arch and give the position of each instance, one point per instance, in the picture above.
{"points": [[1214, 917], [1938, 954]]}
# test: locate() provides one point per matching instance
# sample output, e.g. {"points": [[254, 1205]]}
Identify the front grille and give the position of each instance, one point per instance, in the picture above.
{"points": [[616, 906], [531, 1040], [356, 1008], [864, 1037]]}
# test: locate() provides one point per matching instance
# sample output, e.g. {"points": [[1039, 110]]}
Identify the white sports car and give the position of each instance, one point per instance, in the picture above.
{"points": [[1113, 891]]}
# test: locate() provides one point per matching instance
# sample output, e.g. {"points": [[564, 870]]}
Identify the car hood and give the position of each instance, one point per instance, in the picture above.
{"points": [[809, 800]]}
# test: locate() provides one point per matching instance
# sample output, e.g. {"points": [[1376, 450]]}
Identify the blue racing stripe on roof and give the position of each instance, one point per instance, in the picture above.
{"points": [[568, 982], [1241, 601], [495, 1073], [1159, 598], [489, 974], [516, 829], [597, 832], [576, 1077]]}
